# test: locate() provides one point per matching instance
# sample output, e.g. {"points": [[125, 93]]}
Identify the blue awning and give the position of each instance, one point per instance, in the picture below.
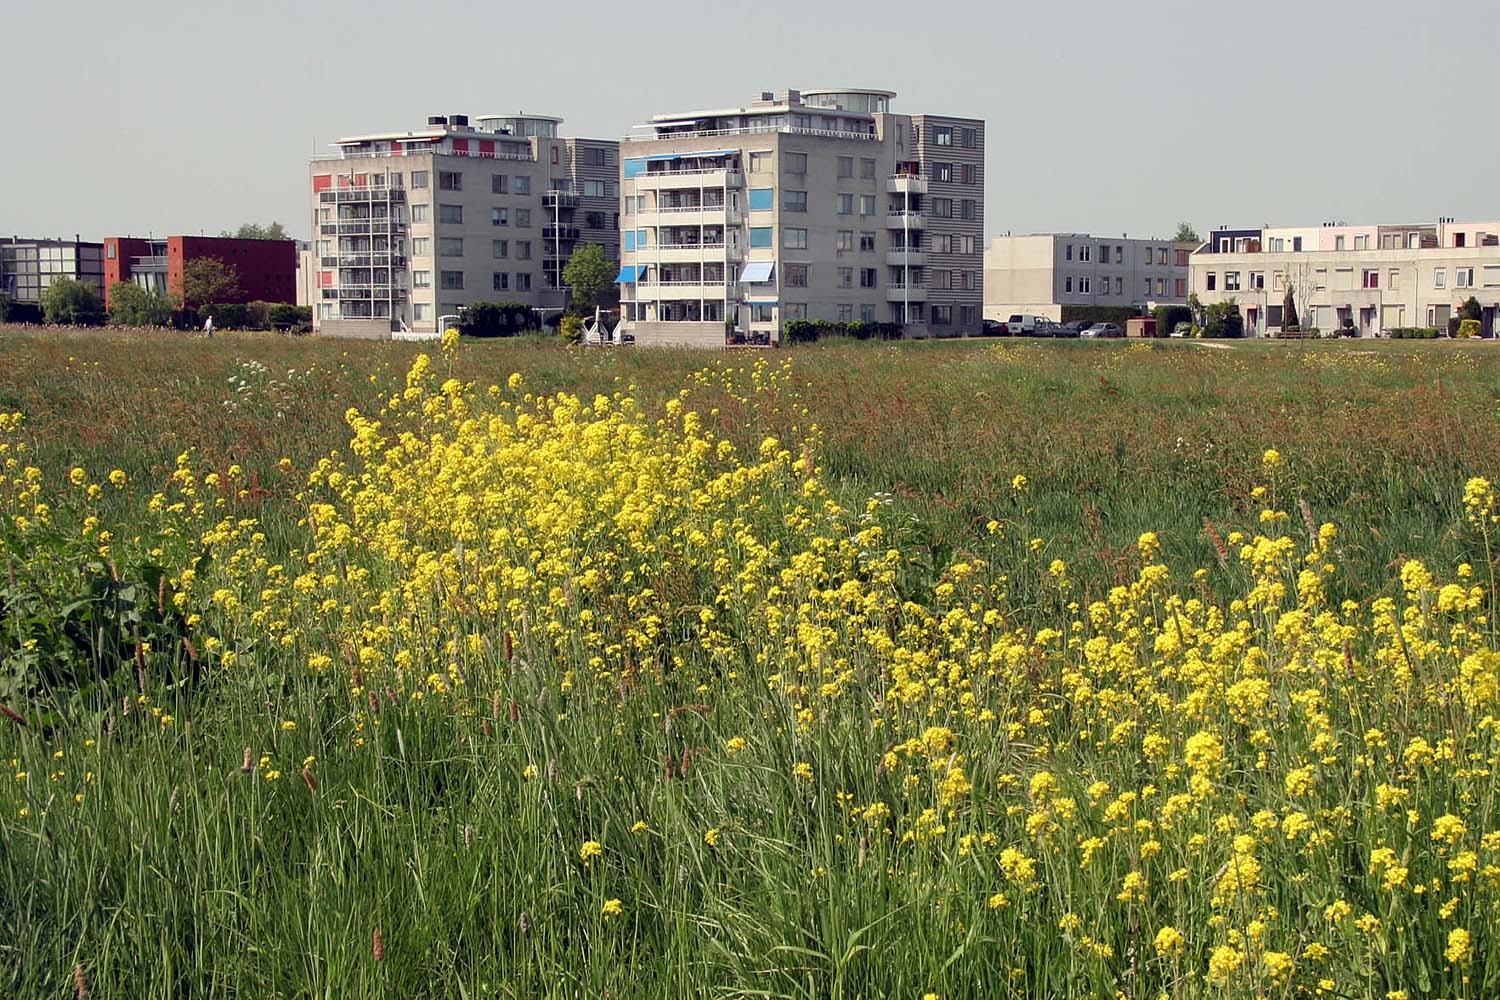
{"points": [[629, 273], [757, 271], [692, 155]]}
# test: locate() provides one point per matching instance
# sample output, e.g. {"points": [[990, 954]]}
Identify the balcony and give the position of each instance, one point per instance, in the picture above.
{"points": [[148, 263], [688, 179], [551, 232], [905, 258], [559, 199], [905, 293], [681, 290], [905, 184], [904, 220]]}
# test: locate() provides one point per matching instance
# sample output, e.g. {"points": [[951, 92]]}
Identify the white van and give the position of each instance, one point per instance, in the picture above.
{"points": [[1029, 325]]}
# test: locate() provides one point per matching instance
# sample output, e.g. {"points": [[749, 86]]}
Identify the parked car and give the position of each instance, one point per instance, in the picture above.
{"points": [[993, 328], [1075, 328], [1104, 330], [1029, 325], [1182, 330]]}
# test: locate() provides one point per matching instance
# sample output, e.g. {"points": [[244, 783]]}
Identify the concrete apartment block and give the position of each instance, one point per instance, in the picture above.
{"points": [[1044, 274], [1374, 278], [29, 265], [818, 204], [412, 226]]}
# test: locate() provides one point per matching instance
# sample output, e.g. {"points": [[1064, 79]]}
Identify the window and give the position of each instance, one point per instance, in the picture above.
{"points": [[1278, 244], [499, 184], [867, 278], [523, 252], [1464, 277], [867, 168], [1070, 251], [499, 216], [595, 156], [501, 248], [866, 242], [421, 279], [521, 185], [1161, 256], [760, 162], [846, 312], [421, 246], [794, 163], [1104, 254], [1120, 285], [845, 204], [846, 166], [942, 208], [1296, 245], [595, 189], [1231, 281], [794, 275], [969, 137], [1393, 279], [794, 201], [867, 204], [452, 279], [523, 278], [523, 218], [1211, 279], [762, 199], [450, 180], [762, 312], [1085, 253], [1361, 242], [1085, 285], [844, 240], [593, 220], [942, 172], [968, 173], [419, 213], [1181, 290], [1370, 279], [421, 311], [867, 313], [794, 239], [1440, 278], [628, 239], [1320, 279], [942, 135], [452, 215], [1161, 286], [760, 236], [846, 277], [1338, 243], [1258, 281], [418, 179], [500, 281], [942, 316], [967, 208], [1067, 284]]}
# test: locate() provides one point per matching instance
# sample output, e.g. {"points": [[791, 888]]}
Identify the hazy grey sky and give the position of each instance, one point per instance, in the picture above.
{"points": [[176, 116]]}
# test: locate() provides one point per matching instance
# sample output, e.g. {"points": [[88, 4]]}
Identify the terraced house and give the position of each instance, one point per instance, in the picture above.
{"points": [[412, 226], [817, 204]]}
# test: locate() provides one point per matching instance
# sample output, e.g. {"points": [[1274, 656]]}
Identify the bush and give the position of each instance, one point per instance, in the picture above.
{"points": [[72, 302], [132, 305], [496, 319], [1223, 321], [806, 331], [1471, 310], [285, 316], [228, 315], [1167, 318], [571, 329], [1117, 315], [23, 312], [1469, 328]]}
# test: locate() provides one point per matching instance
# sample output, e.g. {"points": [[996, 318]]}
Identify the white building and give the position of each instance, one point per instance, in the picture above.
{"points": [[1045, 274]]}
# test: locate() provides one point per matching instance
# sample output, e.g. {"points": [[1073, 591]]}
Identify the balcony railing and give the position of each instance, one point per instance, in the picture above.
{"points": [[559, 199], [371, 154], [902, 220], [754, 130], [148, 263]]}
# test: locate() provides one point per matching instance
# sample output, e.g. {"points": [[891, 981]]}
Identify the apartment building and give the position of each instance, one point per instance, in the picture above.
{"points": [[29, 265], [265, 270], [412, 226], [1372, 278], [1052, 274], [816, 204]]}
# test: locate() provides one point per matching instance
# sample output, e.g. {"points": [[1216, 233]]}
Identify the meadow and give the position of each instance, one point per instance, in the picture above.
{"points": [[1001, 669]]}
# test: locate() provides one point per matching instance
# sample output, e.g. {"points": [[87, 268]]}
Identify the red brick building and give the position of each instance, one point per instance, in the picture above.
{"points": [[266, 269]]}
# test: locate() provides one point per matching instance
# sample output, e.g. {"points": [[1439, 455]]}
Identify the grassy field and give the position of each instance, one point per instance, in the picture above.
{"points": [[1007, 668]]}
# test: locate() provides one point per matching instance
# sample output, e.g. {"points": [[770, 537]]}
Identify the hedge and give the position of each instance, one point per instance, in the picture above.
{"points": [[496, 319], [1412, 333], [1167, 318], [1470, 328], [255, 316], [806, 331], [1117, 315]]}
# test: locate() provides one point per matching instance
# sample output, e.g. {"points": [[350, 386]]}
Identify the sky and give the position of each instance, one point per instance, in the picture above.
{"points": [[172, 117]]}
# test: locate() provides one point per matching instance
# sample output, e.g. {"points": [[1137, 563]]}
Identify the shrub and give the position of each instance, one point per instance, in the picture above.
{"points": [[132, 305], [23, 312], [1223, 320], [496, 319], [1471, 310], [228, 315], [285, 316], [1167, 318], [72, 302], [1469, 328], [1100, 314], [571, 329]]}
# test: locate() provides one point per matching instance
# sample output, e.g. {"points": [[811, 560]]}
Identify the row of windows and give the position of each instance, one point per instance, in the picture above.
{"points": [[1084, 285], [1149, 255], [1370, 278], [453, 246], [943, 135], [454, 280], [453, 180]]}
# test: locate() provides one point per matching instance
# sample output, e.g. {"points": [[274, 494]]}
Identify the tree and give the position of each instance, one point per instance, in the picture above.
{"points": [[588, 273], [253, 231], [207, 280], [1472, 310], [70, 301], [1187, 234], [132, 305], [1289, 309], [1195, 304], [1223, 319]]}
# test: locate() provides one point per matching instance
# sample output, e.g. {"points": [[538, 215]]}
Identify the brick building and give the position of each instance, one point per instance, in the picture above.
{"points": [[266, 269]]}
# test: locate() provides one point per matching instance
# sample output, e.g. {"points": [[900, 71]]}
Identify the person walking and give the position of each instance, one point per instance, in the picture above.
{"points": [[208, 328]]}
